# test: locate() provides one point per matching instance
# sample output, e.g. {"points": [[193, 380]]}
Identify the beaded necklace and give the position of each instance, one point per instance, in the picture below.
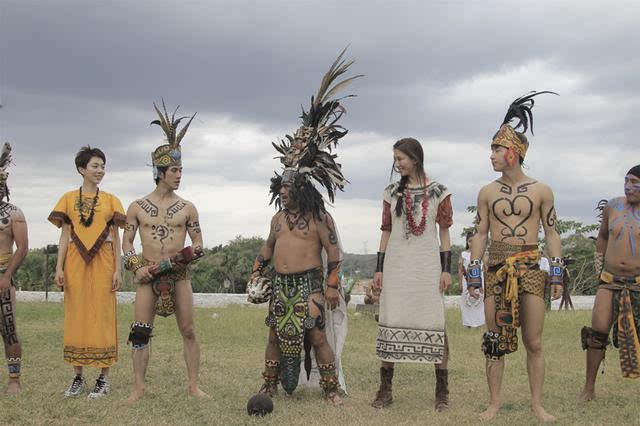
{"points": [[416, 230], [87, 222]]}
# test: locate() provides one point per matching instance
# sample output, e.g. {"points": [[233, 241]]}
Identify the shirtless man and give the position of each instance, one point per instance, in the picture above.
{"points": [[618, 296], [13, 229], [511, 210], [300, 230], [295, 243], [163, 219]]}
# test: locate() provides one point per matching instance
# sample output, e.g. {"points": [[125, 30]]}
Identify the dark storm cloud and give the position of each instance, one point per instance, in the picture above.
{"points": [[85, 72]]}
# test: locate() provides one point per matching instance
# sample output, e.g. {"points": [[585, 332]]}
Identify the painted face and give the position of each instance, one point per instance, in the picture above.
{"points": [[285, 197], [632, 188], [404, 164], [172, 177], [502, 157], [94, 172]]}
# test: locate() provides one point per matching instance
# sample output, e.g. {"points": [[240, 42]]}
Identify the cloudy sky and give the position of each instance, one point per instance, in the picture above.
{"points": [[86, 72]]}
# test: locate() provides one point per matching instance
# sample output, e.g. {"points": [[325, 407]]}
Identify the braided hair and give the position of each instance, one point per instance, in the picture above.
{"points": [[412, 148]]}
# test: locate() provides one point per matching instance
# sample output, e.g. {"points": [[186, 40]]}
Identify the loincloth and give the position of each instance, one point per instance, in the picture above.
{"points": [[289, 316], [164, 287], [512, 271], [626, 325]]}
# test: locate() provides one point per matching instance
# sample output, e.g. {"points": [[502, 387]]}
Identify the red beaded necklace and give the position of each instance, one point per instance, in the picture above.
{"points": [[416, 230]]}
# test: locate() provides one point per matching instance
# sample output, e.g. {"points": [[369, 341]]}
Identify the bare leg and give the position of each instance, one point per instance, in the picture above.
{"points": [[324, 353], [12, 348], [105, 372], [494, 369], [184, 317], [144, 312], [532, 320], [601, 320]]}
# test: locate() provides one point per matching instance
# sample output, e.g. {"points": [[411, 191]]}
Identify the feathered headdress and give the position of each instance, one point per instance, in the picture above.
{"points": [[307, 155], [519, 109], [5, 161], [169, 154]]}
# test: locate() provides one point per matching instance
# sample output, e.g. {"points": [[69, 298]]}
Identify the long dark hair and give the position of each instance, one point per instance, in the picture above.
{"points": [[411, 148]]}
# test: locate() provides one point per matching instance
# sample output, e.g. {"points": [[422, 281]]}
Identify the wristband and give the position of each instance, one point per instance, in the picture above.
{"points": [[133, 261], [380, 262], [474, 274], [445, 261], [556, 272]]}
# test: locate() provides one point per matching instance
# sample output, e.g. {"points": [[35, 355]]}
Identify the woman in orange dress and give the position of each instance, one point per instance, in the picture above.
{"points": [[88, 270]]}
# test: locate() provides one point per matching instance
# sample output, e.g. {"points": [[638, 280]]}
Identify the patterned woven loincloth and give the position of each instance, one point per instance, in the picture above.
{"points": [[164, 287], [513, 270], [626, 324]]}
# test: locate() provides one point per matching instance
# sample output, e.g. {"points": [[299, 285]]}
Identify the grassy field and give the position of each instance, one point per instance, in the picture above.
{"points": [[232, 342]]}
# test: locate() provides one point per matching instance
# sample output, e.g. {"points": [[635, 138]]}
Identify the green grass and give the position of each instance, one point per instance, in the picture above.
{"points": [[232, 344]]}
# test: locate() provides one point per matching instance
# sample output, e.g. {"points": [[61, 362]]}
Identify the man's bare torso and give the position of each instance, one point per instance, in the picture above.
{"points": [[515, 212], [298, 246], [162, 225], [622, 256], [8, 213]]}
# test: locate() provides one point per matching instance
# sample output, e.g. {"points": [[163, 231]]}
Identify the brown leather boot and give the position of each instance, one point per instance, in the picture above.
{"points": [[442, 390], [384, 397]]}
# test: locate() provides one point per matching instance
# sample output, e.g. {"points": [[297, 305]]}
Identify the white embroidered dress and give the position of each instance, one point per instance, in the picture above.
{"points": [[411, 320]]}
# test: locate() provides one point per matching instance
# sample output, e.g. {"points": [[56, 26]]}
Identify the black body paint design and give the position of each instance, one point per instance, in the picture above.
{"points": [[333, 237], [175, 208], [552, 219], [8, 321], [161, 232], [509, 208], [320, 321], [149, 208], [195, 226]]}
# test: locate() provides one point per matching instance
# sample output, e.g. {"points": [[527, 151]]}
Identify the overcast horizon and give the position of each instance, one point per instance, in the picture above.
{"points": [[74, 73]]}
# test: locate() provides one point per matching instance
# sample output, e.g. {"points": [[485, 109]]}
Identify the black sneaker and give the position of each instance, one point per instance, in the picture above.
{"points": [[76, 388], [101, 389]]}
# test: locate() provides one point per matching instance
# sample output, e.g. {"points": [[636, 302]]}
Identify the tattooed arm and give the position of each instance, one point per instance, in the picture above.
{"points": [[266, 251], [20, 237], [142, 273], [552, 239], [479, 240], [193, 227], [550, 222], [329, 239]]}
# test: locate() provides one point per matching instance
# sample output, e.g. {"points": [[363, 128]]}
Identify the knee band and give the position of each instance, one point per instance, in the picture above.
{"points": [[140, 334], [492, 347], [593, 339]]}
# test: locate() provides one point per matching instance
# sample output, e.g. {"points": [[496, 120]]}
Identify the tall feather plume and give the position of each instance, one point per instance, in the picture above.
{"points": [[170, 125], [520, 109], [312, 156], [5, 156]]}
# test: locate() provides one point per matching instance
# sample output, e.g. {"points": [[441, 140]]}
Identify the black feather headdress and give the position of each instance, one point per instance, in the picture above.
{"points": [[520, 109], [5, 161], [307, 155]]}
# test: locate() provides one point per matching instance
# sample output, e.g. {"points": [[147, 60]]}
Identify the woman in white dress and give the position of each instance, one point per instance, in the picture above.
{"points": [[416, 258], [471, 305]]}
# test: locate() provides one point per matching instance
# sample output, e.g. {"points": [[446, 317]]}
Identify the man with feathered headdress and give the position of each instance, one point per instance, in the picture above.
{"points": [[511, 210], [13, 229], [162, 269], [617, 264], [300, 230]]}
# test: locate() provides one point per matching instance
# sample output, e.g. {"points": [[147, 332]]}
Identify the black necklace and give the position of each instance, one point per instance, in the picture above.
{"points": [[87, 222]]}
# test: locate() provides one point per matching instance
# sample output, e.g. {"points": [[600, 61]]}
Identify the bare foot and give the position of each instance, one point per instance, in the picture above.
{"points": [[334, 399], [587, 395], [135, 395], [198, 393], [542, 415], [14, 387], [490, 412]]}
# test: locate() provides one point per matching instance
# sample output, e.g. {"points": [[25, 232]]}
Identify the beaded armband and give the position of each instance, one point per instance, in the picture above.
{"points": [[474, 274], [380, 262], [556, 271], [445, 261], [133, 261]]}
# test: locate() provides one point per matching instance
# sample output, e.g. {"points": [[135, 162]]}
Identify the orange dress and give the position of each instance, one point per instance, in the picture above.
{"points": [[90, 326]]}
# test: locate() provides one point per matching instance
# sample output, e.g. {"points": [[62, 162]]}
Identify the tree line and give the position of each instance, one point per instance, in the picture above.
{"points": [[227, 268]]}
